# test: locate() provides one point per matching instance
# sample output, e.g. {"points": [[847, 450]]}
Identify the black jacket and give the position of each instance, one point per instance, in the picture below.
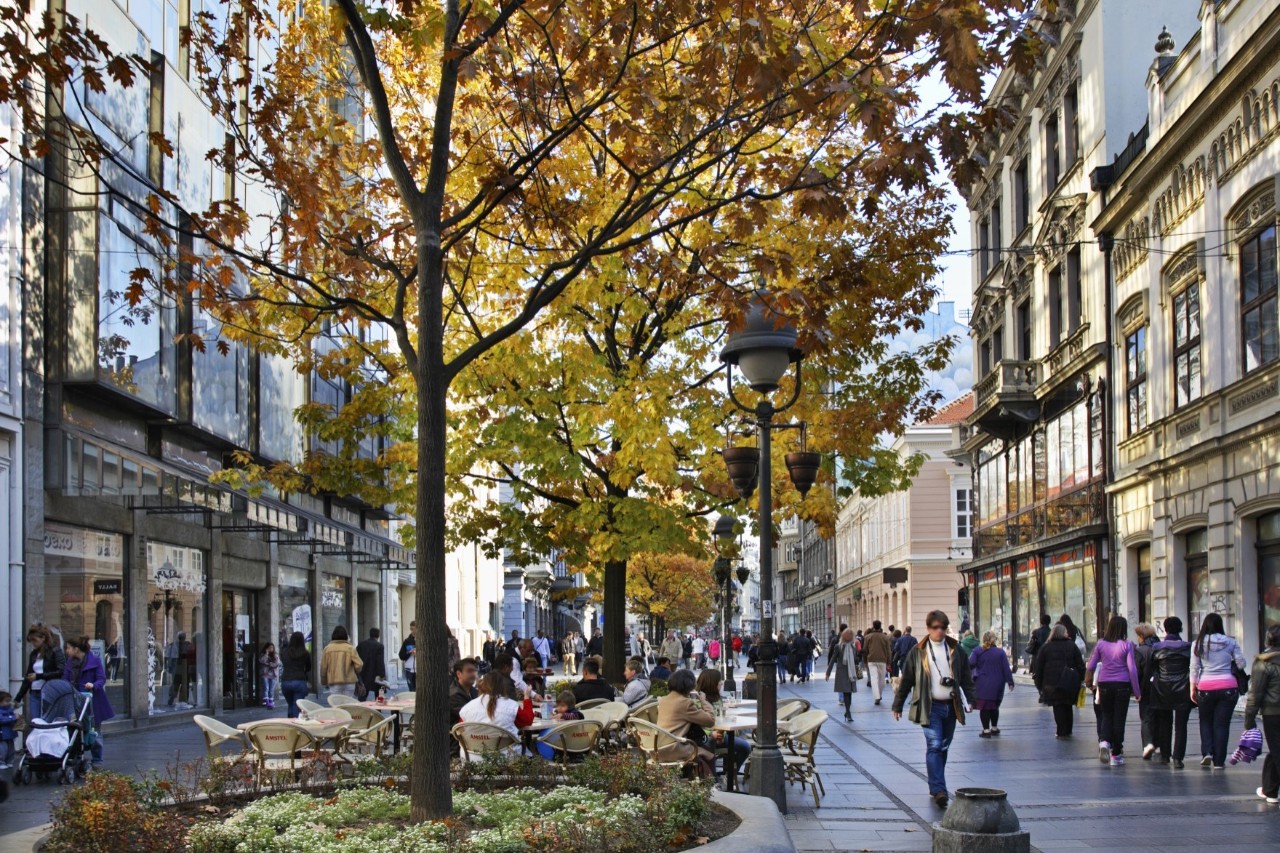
{"points": [[458, 696], [55, 661], [595, 647], [1144, 664], [374, 656], [1053, 659], [409, 641], [295, 667], [593, 689], [1039, 637], [1264, 688]]}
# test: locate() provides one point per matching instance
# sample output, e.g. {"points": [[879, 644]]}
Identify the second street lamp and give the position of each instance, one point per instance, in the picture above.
{"points": [[724, 579], [764, 350]]}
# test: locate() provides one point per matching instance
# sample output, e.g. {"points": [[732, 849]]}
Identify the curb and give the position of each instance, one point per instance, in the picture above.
{"points": [[762, 830], [26, 841]]}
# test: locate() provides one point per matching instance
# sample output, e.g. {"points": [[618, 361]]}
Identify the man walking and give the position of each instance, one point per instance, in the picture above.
{"points": [[901, 648], [596, 646], [409, 654], [936, 675], [569, 654], [671, 647], [699, 653], [542, 646], [579, 650], [878, 651], [1171, 693], [374, 672]]}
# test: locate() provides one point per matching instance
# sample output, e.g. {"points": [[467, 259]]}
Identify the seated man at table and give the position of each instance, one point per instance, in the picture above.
{"points": [[505, 664], [463, 687], [592, 686], [662, 669], [533, 675], [637, 683]]}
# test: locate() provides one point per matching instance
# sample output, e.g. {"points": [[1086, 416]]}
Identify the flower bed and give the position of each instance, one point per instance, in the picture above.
{"points": [[610, 804]]}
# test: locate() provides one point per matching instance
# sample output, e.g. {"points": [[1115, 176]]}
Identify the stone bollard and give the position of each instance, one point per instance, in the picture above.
{"points": [[980, 820]]}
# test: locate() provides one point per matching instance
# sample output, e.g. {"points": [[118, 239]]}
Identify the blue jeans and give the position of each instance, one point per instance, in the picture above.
{"points": [[937, 739], [1216, 708], [293, 690]]}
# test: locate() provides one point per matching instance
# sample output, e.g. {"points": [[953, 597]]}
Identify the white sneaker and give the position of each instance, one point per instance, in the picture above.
{"points": [[1104, 751], [1148, 751], [1117, 760], [1262, 796]]}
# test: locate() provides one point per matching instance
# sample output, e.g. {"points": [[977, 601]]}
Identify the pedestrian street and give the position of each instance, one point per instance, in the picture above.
{"points": [[877, 797]]}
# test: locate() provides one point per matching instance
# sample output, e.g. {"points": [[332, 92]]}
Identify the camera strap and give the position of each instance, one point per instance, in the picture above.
{"points": [[929, 643]]}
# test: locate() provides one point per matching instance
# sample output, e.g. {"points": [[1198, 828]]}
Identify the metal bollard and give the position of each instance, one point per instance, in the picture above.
{"points": [[980, 820]]}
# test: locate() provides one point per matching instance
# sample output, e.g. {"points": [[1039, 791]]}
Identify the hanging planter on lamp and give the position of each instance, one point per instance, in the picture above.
{"points": [[743, 464], [803, 465]]}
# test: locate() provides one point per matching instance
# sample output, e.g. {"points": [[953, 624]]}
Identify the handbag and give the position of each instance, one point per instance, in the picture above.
{"points": [[1242, 678]]}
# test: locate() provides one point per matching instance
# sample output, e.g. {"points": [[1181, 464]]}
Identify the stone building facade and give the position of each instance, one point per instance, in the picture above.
{"points": [[1190, 218], [1042, 424]]}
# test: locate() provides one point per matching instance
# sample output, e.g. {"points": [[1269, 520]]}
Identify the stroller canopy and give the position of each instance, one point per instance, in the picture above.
{"points": [[60, 701]]}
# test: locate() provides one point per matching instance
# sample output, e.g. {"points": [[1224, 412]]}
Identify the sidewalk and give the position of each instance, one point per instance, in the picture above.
{"points": [[877, 795], [135, 751]]}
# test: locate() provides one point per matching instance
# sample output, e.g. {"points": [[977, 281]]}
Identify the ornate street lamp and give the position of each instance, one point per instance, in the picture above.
{"points": [[724, 580], [764, 351]]}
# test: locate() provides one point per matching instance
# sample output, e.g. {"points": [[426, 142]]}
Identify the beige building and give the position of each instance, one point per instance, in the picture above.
{"points": [[1190, 220], [897, 554]]}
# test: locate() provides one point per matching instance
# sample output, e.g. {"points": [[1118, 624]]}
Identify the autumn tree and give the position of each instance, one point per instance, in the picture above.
{"points": [[670, 589], [413, 184]]}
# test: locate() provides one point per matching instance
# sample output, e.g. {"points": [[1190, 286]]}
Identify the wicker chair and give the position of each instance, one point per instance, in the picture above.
{"points": [[801, 743], [306, 705], [369, 729], [660, 747], [647, 712], [481, 739], [578, 737], [276, 746], [216, 733], [336, 699], [591, 703]]}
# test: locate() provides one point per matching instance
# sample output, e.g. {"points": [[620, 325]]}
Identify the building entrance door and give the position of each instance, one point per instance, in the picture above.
{"points": [[239, 648]]}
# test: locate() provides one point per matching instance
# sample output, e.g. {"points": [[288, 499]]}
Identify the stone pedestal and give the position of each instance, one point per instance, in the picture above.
{"points": [[980, 820]]}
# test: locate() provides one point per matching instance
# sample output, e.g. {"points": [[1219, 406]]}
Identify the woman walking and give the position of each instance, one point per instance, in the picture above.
{"points": [[85, 671], [295, 672], [991, 674], [45, 662], [269, 667], [1264, 699], [1058, 671], [1116, 671], [846, 660], [1214, 688]]}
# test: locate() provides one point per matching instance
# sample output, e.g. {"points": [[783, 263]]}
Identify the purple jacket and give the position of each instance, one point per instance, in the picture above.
{"points": [[991, 672], [90, 669], [1115, 662]]}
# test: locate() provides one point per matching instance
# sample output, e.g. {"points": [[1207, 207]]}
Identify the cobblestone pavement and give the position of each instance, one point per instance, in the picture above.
{"points": [[877, 793]]}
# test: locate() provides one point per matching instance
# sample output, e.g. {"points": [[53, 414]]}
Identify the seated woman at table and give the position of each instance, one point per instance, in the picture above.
{"points": [[497, 706], [683, 713], [709, 689], [532, 670]]}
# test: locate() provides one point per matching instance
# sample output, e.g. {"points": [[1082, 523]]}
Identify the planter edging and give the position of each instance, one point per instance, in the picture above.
{"points": [[762, 829]]}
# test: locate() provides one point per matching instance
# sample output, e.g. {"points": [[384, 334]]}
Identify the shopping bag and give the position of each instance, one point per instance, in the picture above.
{"points": [[1080, 698]]}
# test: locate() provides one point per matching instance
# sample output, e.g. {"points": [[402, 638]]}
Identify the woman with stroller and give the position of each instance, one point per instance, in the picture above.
{"points": [[45, 662], [84, 670]]}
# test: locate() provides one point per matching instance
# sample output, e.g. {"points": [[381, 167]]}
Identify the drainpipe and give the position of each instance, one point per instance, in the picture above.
{"points": [[1106, 242]]}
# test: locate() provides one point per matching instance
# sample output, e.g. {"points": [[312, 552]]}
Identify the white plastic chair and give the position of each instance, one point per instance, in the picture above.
{"points": [[216, 733], [481, 739], [306, 705], [336, 699], [577, 737]]}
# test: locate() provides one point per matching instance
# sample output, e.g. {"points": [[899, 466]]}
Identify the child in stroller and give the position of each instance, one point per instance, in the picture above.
{"points": [[55, 741]]}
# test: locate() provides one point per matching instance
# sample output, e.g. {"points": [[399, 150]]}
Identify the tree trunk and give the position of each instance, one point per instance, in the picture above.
{"points": [[431, 792], [615, 620]]}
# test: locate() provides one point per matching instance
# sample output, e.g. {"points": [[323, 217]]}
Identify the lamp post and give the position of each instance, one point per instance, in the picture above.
{"points": [[724, 580], [764, 350]]}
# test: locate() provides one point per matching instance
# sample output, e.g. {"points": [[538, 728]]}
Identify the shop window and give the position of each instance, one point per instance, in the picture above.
{"points": [[1196, 548], [1258, 300], [334, 591], [84, 596], [1028, 604], [176, 629], [1069, 579], [1135, 360], [1186, 345]]}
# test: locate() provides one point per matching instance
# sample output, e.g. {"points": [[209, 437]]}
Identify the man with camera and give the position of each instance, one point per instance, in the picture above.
{"points": [[936, 673]]}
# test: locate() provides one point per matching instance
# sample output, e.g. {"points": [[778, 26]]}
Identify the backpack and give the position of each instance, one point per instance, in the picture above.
{"points": [[1171, 678]]}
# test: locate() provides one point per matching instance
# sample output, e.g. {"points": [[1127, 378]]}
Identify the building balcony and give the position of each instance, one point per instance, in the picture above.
{"points": [[1006, 397]]}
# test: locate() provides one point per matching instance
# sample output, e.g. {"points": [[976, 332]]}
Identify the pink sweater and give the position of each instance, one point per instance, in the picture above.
{"points": [[1114, 662]]}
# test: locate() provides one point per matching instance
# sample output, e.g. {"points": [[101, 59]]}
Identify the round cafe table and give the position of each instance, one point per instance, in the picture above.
{"points": [[397, 708], [729, 725]]}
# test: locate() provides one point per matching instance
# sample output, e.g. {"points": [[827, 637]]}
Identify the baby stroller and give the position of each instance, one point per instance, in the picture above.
{"points": [[55, 741]]}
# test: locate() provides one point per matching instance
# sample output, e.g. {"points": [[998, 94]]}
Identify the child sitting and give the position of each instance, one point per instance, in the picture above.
{"points": [[567, 708], [8, 728]]}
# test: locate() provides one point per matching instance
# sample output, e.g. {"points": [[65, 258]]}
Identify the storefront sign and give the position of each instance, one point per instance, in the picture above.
{"points": [[81, 544], [108, 587]]}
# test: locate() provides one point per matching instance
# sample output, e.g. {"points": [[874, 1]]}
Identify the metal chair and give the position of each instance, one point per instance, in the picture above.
{"points": [[276, 746], [647, 712], [327, 715], [660, 747], [789, 708], [481, 739], [305, 705], [216, 733], [577, 737], [801, 744], [591, 703], [368, 728], [336, 699]]}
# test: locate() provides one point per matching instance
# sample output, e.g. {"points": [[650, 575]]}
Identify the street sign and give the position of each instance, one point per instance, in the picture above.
{"points": [[766, 609]]}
